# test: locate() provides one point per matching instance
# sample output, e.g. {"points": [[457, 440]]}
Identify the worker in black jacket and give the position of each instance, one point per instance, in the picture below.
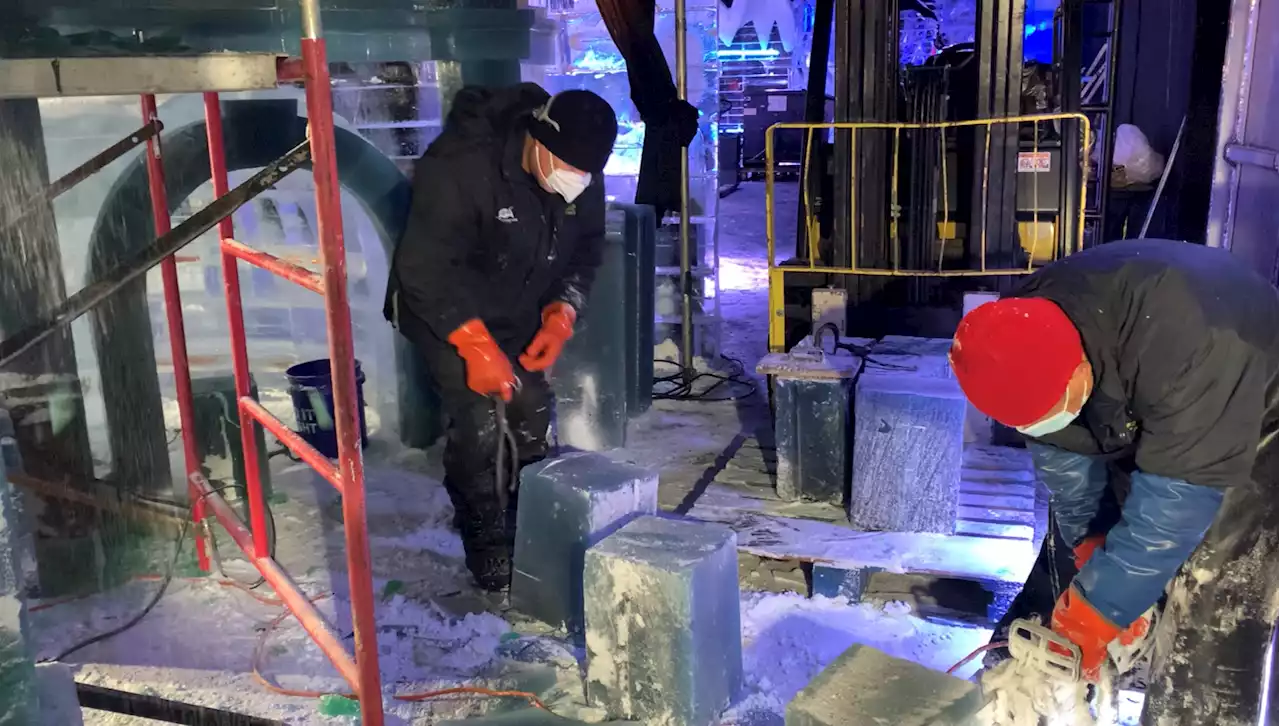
{"points": [[496, 262], [1157, 358]]}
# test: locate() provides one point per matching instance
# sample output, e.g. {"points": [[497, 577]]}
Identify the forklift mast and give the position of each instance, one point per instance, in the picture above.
{"points": [[986, 196]]}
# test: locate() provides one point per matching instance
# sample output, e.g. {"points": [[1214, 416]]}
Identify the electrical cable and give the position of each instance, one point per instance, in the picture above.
{"points": [[411, 697], [977, 652], [155, 600], [213, 543], [260, 648], [271, 540], [165, 581], [861, 351], [506, 464], [683, 387]]}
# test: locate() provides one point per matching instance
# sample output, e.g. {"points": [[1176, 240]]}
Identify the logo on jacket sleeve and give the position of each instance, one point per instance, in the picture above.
{"points": [[507, 215]]}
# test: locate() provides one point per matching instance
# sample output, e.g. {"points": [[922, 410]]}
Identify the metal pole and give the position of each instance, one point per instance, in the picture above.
{"points": [[311, 29], [686, 253], [173, 314], [85, 170], [302, 607], [815, 112], [1164, 179], [235, 324], [341, 361]]}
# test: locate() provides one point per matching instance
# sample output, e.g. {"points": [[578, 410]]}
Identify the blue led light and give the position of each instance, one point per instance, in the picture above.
{"points": [[747, 53], [1030, 29]]}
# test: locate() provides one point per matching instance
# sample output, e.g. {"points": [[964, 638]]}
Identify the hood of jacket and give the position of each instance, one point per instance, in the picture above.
{"points": [[482, 117]]}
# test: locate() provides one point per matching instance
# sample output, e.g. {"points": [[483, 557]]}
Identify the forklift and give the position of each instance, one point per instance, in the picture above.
{"points": [[988, 197]]}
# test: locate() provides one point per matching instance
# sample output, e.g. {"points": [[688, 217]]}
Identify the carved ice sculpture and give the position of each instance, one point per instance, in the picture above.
{"points": [[763, 14]]}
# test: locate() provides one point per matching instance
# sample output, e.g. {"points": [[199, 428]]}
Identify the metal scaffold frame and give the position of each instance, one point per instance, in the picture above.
{"points": [[148, 76], [361, 672]]}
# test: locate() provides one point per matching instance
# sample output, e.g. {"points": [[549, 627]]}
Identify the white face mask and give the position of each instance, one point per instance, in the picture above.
{"points": [[564, 182], [1051, 425], [1061, 419]]}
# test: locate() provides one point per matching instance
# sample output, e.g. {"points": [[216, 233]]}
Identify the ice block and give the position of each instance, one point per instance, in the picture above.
{"points": [[566, 505], [664, 642], [590, 378], [17, 689], [811, 425], [56, 695], [865, 687], [908, 440]]}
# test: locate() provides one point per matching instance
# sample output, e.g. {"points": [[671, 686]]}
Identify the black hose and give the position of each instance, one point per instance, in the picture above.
{"points": [[506, 465]]}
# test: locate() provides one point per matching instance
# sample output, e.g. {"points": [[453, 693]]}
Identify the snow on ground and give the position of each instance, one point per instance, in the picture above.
{"points": [[788, 639], [435, 630]]}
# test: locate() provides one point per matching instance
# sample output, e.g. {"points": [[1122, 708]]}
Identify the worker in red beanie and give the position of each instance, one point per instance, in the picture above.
{"points": [[1156, 360]]}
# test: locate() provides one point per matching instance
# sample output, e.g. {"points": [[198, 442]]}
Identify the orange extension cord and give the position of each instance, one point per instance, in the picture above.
{"points": [[260, 649], [977, 652]]}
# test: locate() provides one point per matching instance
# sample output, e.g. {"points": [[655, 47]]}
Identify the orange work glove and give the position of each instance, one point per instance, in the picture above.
{"points": [[1076, 620], [1085, 549], [489, 371], [556, 330]]}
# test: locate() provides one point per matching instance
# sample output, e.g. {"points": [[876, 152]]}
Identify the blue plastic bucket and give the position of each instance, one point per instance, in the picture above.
{"points": [[311, 388]]}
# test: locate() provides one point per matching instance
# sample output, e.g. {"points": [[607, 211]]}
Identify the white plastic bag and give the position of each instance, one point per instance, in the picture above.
{"points": [[1133, 153]]}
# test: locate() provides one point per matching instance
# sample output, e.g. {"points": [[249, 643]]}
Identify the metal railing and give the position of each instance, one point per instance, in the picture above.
{"points": [[777, 273]]}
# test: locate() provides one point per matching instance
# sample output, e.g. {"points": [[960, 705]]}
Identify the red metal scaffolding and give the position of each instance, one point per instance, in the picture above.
{"points": [[361, 671]]}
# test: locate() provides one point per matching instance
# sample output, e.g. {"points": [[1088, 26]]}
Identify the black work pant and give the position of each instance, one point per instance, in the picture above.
{"points": [[1213, 642], [471, 444]]}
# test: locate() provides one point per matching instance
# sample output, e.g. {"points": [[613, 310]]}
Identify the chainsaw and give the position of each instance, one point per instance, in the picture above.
{"points": [[1058, 658]]}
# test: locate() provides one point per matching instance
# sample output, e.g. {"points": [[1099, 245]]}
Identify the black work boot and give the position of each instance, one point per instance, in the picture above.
{"points": [[489, 544], [491, 567]]}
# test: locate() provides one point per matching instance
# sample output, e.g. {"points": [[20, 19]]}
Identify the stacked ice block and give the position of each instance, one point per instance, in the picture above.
{"points": [[909, 416], [567, 505]]}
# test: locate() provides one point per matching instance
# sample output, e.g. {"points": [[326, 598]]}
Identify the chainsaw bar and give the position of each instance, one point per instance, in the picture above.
{"points": [[1044, 650]]}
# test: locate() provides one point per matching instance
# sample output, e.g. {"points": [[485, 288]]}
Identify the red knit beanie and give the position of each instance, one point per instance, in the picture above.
{"points": [[1014, 358]]}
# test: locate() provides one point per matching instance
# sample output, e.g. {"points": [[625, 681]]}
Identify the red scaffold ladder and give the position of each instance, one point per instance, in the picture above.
{"points": [[361, 671]]}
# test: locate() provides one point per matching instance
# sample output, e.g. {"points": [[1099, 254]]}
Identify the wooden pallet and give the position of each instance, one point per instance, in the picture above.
{"points": [[994, 542]]}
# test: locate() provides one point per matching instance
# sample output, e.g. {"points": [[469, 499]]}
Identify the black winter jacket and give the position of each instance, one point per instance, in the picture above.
{"points": [[1183, 343], [483, 239]]}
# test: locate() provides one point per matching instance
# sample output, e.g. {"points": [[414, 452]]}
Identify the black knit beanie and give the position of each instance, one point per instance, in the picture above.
{"points": [[578, 127]]}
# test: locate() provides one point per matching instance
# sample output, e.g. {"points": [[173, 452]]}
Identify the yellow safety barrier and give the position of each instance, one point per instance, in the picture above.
{"points": [[947, 228]]}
